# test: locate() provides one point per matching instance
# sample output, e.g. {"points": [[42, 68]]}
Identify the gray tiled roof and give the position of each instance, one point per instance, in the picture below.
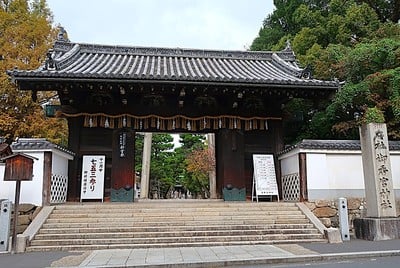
{"points": [[335, 145], [37, 144], [88, 61]]}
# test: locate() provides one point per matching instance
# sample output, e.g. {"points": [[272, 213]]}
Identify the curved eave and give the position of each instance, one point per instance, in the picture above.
{"points": [[32, 77]]}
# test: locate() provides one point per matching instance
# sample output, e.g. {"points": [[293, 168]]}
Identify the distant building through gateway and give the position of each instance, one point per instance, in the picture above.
{"points": [[108, 93]]}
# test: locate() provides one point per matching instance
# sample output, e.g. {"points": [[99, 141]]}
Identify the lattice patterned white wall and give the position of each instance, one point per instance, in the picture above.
{"points": [[59, 184], [291, 187]]}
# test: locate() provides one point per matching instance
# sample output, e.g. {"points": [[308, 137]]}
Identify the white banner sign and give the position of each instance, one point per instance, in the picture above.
{"points": [[264, 174], [93, 169]]}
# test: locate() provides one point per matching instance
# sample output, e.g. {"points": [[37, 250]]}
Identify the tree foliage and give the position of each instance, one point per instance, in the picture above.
{"points": [[26, 34], [169, 166], [200, 162], [356, 42], [161, 172], [387, 10], [193, 180]]}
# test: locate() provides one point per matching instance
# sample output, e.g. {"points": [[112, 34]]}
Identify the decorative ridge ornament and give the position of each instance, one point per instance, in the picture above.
{"points": [[62, 34], [306, 73], [288, 47], [66, 45], [50, 63]]}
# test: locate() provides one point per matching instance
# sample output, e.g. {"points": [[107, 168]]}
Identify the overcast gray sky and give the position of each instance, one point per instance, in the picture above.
{"points": [[202, 24]]}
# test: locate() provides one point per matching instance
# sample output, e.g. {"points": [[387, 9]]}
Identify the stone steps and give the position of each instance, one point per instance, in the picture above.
{"points": [[150, 219], [175, 223], [61, 230], [162, 245], [134, 214], [158, 233], [172, 224], [171, 240]]}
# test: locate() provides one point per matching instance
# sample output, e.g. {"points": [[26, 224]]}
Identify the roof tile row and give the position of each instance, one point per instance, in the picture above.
{"points": [[96, 61]]}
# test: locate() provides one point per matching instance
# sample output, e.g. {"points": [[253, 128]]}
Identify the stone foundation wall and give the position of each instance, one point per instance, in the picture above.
{"points": [[327, 210], [26, 213]]}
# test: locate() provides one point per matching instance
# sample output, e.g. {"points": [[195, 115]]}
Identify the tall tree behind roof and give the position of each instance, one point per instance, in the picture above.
{"points": [[387, 10], [356, 41], [26, 34]]}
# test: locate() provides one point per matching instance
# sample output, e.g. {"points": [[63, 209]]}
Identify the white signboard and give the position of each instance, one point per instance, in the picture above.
{"points": [[264, 178], [93, 169]]}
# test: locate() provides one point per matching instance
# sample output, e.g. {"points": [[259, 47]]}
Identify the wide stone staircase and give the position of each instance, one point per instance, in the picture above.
{"points": [[88, 226]]}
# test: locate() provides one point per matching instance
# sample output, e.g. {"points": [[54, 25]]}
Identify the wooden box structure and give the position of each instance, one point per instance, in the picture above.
{"points": [[19, 167], [108, 93]]}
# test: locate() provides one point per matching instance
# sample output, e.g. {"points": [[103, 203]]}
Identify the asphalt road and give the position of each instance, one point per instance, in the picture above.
{"points": [[31, 259], [386, 262]]}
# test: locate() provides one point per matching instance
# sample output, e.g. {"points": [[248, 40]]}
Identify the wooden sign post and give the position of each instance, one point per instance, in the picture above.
{"points": [[264, 178], [19, 167]]}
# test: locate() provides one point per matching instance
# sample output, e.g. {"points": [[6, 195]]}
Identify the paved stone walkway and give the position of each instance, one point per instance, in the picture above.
{"points": [[188, 256], [217, 256]]}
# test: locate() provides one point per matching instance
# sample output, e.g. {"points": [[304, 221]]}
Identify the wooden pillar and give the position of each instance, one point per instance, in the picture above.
{"points": [[230, 159], [74, 135], [303, 177], [123, 166], [46, 194], [277, 128]]}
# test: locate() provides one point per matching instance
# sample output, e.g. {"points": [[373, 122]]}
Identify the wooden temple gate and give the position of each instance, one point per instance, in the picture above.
{"points": [[107, 93]]}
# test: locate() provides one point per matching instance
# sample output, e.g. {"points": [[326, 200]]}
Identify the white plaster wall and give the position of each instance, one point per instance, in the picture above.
{"points": [[345, 171], [395, 163], [317, 175], [59, 164], [334, 175], [290, 165], [31, 191]]}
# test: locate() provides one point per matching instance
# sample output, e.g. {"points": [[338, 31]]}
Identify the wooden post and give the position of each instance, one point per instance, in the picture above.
{"points": [[19, 167], [303, 177], [74, 141], [15, 222], [47, 178]]}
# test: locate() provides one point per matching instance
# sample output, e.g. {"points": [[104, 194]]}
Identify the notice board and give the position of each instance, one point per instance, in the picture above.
{"points": [[93, 170], [264, 176]]}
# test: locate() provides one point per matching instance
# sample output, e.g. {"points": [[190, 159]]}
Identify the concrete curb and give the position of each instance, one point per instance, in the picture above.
{"points": [[38, 221], [314, 220], [332, 234]]}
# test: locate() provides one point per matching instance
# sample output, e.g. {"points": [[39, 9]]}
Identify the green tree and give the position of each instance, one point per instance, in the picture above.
{"points": [[161, 177], [356, 42], [26, 34], [387, 10]]}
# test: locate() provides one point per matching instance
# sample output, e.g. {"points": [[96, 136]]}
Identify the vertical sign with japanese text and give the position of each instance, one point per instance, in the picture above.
{"points": [[122, 144], [93, 169], [378, 182]]}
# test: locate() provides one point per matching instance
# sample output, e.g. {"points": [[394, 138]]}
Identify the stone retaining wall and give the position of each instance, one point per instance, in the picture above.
{"points": [[327, 210], [26, 213]]}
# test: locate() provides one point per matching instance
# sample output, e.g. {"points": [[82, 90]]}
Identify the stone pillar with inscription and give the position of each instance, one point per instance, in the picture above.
{"points": [[381, 222]]}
